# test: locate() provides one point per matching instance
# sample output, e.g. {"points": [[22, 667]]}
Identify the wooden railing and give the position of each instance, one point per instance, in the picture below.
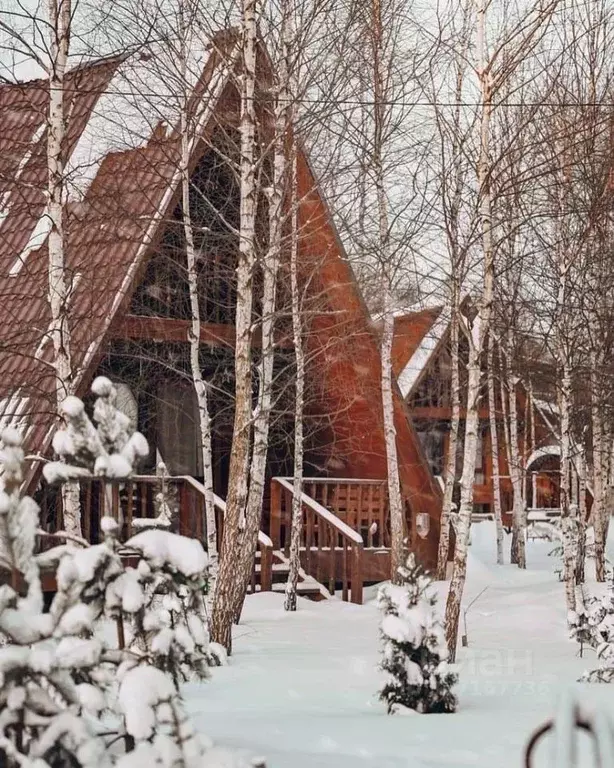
{"points": [[361, 504], [331, 551], [134, 499]]}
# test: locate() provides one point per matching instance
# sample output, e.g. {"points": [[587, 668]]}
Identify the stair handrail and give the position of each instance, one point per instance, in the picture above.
{"points": [[265, 544], [355, 539], [344, 529]]}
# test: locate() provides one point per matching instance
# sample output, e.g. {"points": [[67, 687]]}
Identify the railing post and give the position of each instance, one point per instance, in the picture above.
{"points": [[275, 525], [356, 574], [266, 569]]}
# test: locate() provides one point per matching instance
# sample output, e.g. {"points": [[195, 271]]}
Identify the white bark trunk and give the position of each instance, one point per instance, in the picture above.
{"points": [[581, 556], [599, 510], [299, 395], [494, 449], [227, 584], [395, 501], [476, 343], [518, 550], [456, 261], [270, 265], [450, 478], [568, 521], [187, 125], [59, 295]]}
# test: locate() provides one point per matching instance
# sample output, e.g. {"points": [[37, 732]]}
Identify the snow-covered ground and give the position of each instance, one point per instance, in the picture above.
{"points": [[301, 689]]}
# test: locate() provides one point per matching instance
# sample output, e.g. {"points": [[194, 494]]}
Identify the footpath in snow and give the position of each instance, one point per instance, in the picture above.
{"points": [[301, 689]]}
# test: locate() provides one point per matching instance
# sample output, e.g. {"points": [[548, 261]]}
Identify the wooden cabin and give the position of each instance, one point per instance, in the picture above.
{"points": [[423, 365], [130, 313]]}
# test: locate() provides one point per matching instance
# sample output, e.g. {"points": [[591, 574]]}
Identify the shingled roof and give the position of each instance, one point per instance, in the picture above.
{"points": [[116, 200]]}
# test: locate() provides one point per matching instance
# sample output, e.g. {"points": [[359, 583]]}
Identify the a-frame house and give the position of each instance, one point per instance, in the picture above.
{"points": [[422, 363], [129, 317]]}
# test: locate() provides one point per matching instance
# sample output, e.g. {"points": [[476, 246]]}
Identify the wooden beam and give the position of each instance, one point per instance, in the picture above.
{"points": [[161, 329]]}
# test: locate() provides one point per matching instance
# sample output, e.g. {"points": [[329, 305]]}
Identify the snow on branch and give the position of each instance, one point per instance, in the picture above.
{"points": [[106, 450]]}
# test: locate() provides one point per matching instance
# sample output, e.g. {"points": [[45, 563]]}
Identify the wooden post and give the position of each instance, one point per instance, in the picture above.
{"points": [[344, 577], [130, 492], [275, 526], [356, 574], [266, 569]]}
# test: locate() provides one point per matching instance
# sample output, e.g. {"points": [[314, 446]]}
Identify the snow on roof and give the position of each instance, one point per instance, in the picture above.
{"points": [[549, 411], [11, 411], [417, 363], [39, 234], [540, 453]]}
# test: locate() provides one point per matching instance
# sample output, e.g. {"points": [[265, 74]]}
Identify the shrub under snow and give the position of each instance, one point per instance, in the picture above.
{"points": [[594, 626], [100, 669], [414, 651]]}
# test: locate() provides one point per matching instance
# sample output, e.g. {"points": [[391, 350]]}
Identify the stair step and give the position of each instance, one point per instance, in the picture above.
{"points": [[303, 588]]}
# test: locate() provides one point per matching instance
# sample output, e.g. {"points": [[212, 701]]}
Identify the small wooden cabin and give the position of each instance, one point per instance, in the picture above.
{"points": [[130, 314], [423, 365]]}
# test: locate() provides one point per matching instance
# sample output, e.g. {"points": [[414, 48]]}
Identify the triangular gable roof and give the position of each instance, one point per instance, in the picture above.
{"points": [[352, 366], [108, 232], [114, 219]]}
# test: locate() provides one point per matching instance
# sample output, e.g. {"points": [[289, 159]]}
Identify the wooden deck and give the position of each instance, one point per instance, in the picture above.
{"points": [[345, 535]]}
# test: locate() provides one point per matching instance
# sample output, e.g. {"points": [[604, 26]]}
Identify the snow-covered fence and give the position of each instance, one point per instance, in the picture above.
{"points": [[563, 731]]}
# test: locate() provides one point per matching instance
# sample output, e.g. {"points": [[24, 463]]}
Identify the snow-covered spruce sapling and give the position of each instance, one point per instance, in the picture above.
{"points": [[107, 450], [51, 667], [595, 627], [414, 654], [58, 669]]}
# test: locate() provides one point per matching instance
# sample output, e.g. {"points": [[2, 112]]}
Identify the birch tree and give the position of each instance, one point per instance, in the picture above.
{"points": [[60, 18], [494, 446], [395, 502], [189, 113], [453, 132], [228, 591], [494, 67], [277, 203], [299, 400]]}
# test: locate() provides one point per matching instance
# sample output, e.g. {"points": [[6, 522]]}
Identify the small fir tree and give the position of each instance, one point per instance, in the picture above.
{"points": [[60, 669], [414, 652], [595, 628]]}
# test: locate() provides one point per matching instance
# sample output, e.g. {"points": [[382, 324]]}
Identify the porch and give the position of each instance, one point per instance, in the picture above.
{"points": [[344, 539]]}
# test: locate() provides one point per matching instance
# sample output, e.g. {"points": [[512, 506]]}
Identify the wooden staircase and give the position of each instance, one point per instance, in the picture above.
{"points": [[307, 586], [339, 516]]}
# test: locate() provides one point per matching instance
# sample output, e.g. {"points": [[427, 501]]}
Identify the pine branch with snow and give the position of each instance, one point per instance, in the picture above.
{"points": [[414, 654], [50, 662], [594, 626], [105, 450]]}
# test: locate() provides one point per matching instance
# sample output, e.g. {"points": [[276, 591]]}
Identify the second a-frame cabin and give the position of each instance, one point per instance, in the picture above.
{"points": [[130, 314], [423, 365]]}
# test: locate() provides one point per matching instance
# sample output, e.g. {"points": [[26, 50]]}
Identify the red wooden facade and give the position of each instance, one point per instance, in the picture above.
{"points": [[420, 339], [129, 321]]}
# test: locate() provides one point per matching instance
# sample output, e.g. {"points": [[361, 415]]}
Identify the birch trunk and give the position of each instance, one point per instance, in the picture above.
{"points": [[581, 557], [568, 522], [395, 502], [494, 449], [476, 343], [599, 510], [518, 550], [270, 266], [456, 259], [299, 394], [200, 386], [234, 522], [59, 26], [450, 479]]}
